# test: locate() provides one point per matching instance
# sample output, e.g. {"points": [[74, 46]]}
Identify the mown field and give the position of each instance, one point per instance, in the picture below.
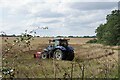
{"points": [[91, 60]]}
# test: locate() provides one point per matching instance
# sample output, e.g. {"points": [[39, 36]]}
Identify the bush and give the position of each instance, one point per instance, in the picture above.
{"points": [[92, 41]]}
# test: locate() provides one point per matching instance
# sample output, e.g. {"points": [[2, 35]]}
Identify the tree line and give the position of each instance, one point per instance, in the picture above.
{"points": [[3, 35]]}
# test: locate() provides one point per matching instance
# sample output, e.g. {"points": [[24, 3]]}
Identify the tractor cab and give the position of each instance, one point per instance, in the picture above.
{"points": [[59, 42]]}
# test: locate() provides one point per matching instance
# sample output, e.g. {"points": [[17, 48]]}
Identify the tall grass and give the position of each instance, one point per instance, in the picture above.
{"points": [[17, 55]]}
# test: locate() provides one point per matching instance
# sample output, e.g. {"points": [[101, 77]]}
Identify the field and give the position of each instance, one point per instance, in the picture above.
{"points": [[91, 60]]}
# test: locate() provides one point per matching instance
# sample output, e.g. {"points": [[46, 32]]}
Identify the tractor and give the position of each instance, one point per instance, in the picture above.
{"points": [[58, 49]]}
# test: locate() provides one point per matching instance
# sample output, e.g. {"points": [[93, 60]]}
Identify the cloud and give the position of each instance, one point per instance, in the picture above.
{"points": [[93, 5], [62, 17], [48, 14]]}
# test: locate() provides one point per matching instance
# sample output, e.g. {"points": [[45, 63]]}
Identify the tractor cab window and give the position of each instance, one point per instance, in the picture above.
{"points": [[54, 43], [51, 43], [63, 43], [57, 43]]}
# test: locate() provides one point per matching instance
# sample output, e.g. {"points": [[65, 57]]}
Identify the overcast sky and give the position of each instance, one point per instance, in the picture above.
{"points": [[63, 17]]}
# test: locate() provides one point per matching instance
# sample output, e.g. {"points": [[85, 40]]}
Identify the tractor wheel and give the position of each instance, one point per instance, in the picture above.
{"points": [[71, 56], [59, 55], [44, 56]]}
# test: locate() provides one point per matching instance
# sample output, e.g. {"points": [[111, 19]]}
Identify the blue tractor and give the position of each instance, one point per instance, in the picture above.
{"points": [[58, 49]]}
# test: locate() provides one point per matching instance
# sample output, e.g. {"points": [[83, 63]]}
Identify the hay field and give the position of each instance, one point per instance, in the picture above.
{"points": [[91, 61]]}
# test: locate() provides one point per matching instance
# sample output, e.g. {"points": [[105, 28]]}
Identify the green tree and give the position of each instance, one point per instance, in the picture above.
{"points": [[109, 33]]}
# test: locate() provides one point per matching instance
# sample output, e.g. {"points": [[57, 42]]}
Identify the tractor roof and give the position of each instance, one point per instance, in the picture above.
{"points": [[58, 39]]}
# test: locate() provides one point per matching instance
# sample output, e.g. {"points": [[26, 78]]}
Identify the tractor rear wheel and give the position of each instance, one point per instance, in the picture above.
{"points": [[44, 55], [59, 55], [71, 56]]}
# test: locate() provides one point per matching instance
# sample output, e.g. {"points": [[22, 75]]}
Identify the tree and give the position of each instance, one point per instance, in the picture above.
{"points": [[109, 33]]}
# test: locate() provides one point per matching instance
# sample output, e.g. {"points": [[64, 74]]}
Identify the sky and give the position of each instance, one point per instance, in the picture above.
{"points": [[62, 17]]}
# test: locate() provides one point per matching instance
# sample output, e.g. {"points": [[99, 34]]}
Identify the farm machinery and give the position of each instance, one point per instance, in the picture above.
{"points": [[58, 49]]}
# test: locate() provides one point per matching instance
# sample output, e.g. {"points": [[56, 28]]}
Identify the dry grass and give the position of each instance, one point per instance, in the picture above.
{"points": [[97, 58]]}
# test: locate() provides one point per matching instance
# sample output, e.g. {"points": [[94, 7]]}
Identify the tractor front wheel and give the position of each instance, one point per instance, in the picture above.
{"points": [[44, 55]]}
